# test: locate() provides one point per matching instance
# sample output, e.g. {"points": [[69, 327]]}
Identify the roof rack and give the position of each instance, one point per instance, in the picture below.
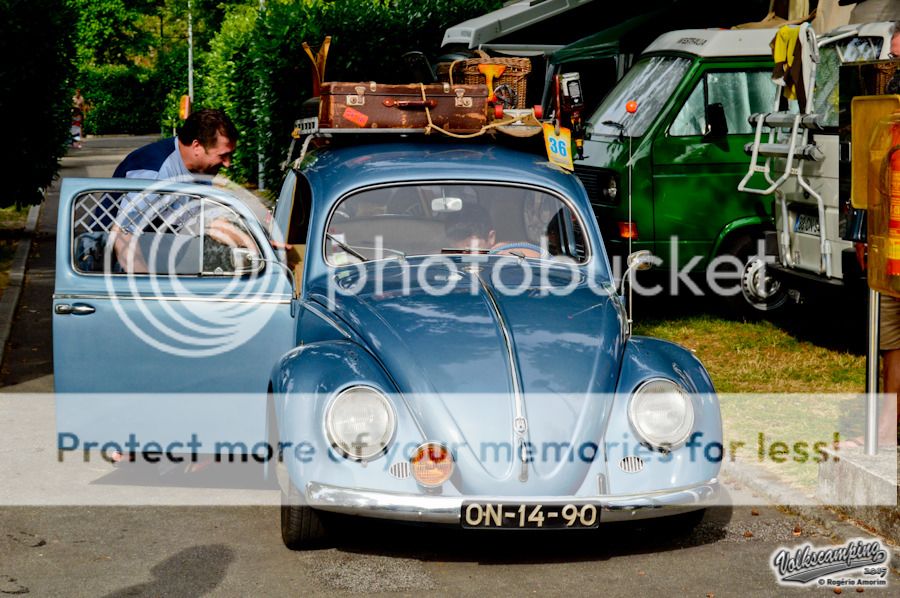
{"points": [[515, 124]]}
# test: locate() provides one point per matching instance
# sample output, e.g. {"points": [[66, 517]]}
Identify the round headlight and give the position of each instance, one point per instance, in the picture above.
{"points": [[662, 413], [611, 191], [360, 423]]}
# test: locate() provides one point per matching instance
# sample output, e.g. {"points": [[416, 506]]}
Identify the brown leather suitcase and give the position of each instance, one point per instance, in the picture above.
{"points": [[457, 108]]}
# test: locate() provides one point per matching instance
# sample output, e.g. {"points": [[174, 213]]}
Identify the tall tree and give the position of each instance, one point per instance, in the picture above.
{"points": [[35, 95]]}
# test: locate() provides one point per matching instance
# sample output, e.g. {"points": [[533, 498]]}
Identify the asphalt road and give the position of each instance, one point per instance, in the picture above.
{"points": [[237, 551]]}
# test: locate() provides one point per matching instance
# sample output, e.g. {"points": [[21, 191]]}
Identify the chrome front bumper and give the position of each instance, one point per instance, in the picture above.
{"points": [[447, 509]]}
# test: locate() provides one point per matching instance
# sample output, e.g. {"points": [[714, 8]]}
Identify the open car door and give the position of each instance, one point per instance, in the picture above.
{"points": [[170, 310]]}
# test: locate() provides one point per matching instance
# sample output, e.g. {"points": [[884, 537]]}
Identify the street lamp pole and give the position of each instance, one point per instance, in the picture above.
{"points": [[260, 155], [190, 54]]}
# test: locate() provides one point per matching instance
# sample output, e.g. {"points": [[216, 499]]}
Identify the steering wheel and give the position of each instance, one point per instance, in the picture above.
{"points": [[508, 247]]}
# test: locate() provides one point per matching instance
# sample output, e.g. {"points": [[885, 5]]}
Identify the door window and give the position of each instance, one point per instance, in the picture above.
{"points": [[157, 233], [831, 57], [741, 93]]}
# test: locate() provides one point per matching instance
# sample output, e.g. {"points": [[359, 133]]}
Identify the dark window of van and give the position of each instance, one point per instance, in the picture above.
{"points": [[741, 93]]}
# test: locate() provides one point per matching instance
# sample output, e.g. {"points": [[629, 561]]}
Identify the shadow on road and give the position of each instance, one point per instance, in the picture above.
{"points": [[194, 571]]}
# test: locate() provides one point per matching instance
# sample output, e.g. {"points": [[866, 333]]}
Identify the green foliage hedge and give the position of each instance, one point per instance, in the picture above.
{"points": [[229, 80], [35, 95], [120, 99], [257, 70]]}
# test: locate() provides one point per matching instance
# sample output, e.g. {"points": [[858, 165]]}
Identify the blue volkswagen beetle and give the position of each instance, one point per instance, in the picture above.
{"points": [[436, 326]]}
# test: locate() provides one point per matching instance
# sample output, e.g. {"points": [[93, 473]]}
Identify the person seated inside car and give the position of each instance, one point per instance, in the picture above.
{"points": [[470, 230]]}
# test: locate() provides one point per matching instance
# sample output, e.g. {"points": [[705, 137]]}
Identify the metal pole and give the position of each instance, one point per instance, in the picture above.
{"points": [[190, 54], [260, 156], [871, 439]]}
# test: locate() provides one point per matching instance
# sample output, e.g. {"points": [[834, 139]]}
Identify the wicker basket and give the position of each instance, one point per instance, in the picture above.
{"points": [[466, 72]]}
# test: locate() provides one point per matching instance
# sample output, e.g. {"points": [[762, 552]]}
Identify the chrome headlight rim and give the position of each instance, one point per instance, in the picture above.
{"points": [[641, 431], [332, 436]]}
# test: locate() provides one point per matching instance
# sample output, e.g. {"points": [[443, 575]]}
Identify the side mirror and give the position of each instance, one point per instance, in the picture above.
{"points": [[637, 261], [245, 261], [641, 260], [716, 125]]}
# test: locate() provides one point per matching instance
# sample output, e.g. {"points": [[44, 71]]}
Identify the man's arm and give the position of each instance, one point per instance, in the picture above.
{"points": [[128, 252]]}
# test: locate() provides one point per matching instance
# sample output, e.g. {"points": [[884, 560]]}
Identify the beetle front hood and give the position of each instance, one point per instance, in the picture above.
{"points": [[480, 335]]}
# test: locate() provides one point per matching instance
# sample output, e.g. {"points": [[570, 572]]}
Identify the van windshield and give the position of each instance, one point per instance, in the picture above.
{"points": [[650, 83], [831, 57]]}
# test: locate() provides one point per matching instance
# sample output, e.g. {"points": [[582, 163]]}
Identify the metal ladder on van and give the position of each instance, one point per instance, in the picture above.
{"points": [[788, 139]]}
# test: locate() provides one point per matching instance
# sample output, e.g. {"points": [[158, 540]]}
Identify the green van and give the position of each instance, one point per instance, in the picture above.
{"points": [[680, 156]]}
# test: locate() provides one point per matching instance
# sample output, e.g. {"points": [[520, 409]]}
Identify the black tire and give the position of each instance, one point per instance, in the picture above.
{"points": [[302, 527], [761, 295]]}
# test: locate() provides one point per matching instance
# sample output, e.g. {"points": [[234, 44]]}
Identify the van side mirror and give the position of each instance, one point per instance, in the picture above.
{"points": [[716, 125]]}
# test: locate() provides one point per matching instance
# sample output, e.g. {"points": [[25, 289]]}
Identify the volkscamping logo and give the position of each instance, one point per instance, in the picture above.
{"points": [[857, 563]]}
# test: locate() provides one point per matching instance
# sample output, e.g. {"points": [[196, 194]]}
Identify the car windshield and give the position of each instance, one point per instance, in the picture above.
{"points": [[435, 219], [831, 57], [650, 83]]}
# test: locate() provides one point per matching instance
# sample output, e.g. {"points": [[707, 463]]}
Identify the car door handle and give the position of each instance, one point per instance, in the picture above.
{"points": [[79, 309]]}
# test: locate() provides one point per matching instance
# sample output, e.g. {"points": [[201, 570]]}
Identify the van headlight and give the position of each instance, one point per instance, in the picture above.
{"points": [[360, 423], [662, 413]]}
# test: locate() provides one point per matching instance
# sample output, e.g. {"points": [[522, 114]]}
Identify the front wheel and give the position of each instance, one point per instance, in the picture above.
{"points": [[302, 527], [760, 293]]}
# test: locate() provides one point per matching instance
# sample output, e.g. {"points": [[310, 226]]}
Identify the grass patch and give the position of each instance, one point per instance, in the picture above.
{"points": [[13, 218], [7, 252], [761, 357], [756, 365]]}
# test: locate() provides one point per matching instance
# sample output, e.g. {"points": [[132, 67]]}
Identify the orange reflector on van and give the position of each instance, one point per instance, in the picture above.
{"points": [[432, 464], [628, 230]]}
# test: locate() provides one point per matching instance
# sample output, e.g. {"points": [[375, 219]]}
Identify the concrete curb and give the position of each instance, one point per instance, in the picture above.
{"points": [[10, 300], [767, 485]]}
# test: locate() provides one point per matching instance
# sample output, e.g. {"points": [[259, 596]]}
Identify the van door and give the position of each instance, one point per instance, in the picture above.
{"points": [[202, 310], [696, 170]]}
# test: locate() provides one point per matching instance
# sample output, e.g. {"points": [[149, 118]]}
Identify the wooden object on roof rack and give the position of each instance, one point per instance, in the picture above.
{"points": [[318, 63], [466, 71]]}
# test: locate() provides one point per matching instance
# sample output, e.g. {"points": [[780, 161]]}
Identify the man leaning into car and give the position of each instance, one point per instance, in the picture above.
{"points": [[204, 144]]}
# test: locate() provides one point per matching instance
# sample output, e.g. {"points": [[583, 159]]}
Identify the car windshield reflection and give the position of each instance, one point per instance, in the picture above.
{"points": [[416, 220]]}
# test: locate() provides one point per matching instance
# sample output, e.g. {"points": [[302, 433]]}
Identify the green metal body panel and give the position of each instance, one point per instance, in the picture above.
{"points": [[684, 187]]}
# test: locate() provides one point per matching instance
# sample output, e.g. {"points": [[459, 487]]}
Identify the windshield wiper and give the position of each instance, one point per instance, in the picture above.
{"points": [[346, 247], [615, 125]]}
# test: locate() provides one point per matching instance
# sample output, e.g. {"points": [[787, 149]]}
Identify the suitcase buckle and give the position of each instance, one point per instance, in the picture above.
{"points": [[359, 99], [461, 100]]}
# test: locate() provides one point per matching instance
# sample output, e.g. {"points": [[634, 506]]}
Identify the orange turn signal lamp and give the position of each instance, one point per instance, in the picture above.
{"points": [[628, 230], [432, 464]]}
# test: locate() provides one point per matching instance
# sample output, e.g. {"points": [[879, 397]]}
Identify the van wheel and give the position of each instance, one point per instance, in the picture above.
{"points": [[761, 294], [302, 527]]}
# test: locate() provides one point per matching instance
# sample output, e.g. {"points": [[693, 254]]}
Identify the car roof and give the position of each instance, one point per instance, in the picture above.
{"points": [[333, 172], [715, 43]]}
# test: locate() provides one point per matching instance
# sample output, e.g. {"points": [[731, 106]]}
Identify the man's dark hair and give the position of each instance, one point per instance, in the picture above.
{"points": [[472, 220], [204, 126]]}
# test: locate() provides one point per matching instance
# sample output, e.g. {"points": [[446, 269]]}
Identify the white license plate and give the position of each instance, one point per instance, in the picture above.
{"points": [[529, 516], [807, 223]]}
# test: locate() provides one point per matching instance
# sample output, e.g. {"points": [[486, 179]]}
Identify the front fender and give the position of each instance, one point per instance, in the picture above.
{"points": [[695, 462], [303, 384], [317, 371]]}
